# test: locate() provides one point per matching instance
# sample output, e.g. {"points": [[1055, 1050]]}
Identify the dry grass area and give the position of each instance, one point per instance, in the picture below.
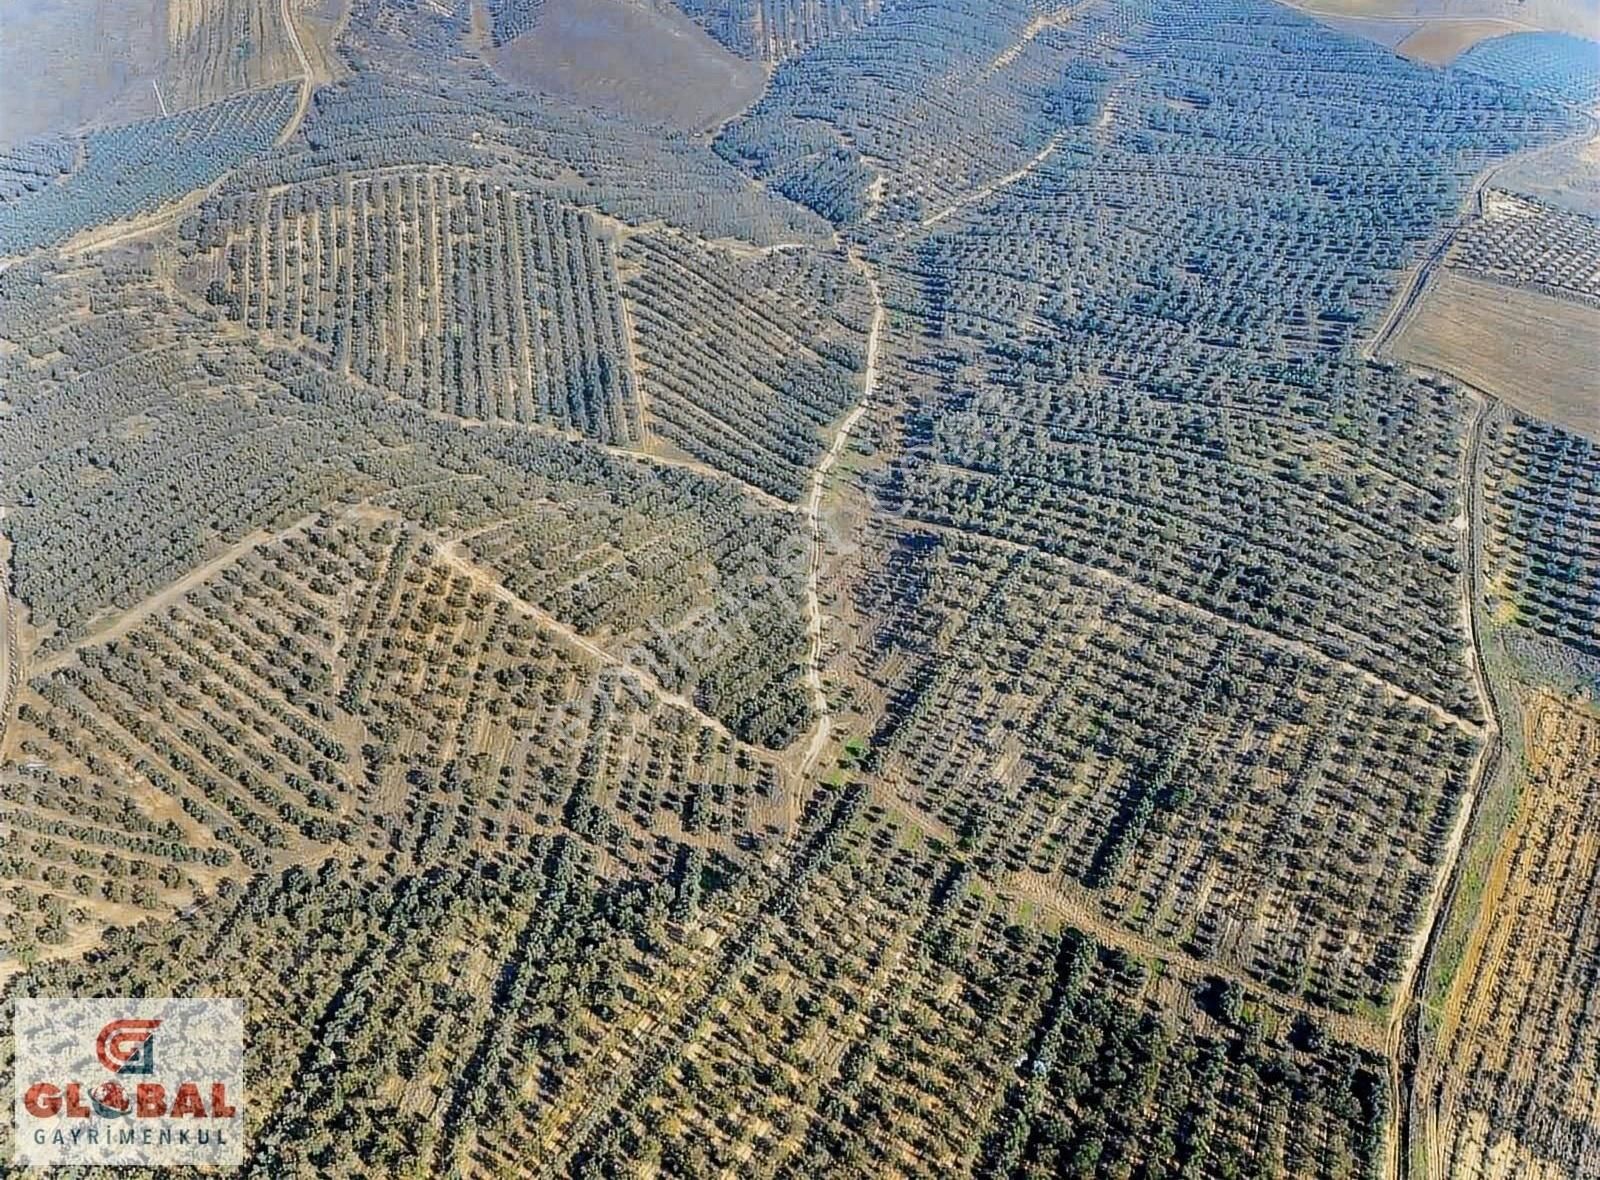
{"points": [[1438, 31], [631, 57], [1522, 1085], [1441, 42], [1535, 352]]}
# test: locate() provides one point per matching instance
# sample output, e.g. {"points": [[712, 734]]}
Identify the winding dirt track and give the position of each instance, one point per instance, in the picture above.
{"points": [[307, 82], [869, 381], [1404, 1034]]}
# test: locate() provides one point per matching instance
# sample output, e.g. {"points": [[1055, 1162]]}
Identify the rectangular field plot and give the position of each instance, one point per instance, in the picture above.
{"points": [[1534, 352]]}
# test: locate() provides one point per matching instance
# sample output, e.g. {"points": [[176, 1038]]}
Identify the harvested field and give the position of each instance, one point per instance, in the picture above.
{"points": [[1441, 42], [633, 58], [66, 64], [1388, 33], [1568, 179], [1533, 351], [218, 47], [1521, 1085]]}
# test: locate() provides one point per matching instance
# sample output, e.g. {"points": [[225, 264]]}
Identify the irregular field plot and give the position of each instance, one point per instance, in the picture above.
{"points": [[346, 688], [1542, 549], [1442, 42], [1248, 802], [218, 47], [646, 61], [989, 1048]]}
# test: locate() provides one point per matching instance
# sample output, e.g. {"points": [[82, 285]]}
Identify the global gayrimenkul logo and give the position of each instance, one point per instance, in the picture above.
{"points": [[124, 1081]]}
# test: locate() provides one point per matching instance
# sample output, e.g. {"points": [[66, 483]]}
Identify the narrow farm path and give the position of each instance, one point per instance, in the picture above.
{"points": [[307, 81], [813, 608], [1403, 1039], [117, 625]]}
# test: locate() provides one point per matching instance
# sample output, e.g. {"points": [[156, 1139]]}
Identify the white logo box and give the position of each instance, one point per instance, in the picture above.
{"points": [[125, 1082]]}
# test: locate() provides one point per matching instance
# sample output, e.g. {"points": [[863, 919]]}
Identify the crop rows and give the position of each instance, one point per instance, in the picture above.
{"points": [[1542, 554], [571, 155], [509, 19], [897, 1023], [776, 30], [1557, 64], [136, 167], [172, 471], [941, 97], [223, 47], [441, 991], [1528, 242], [455, 293], [746, 361], [1239, 798]]}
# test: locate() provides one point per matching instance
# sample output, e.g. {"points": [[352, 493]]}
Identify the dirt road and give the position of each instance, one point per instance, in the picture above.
{"points": [[869, 381], [307, 81], [988, 190], [118, 625], [1403, 1038]]}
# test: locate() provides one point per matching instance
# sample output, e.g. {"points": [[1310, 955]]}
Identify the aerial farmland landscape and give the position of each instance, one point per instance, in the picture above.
{"points": [[806, 588]]}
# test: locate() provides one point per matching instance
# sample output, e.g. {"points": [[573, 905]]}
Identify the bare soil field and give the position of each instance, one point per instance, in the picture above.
{"points": [[1438, 31], [1535, 352], [1568, 179], [219, 47], [634, 58], [64, 63], [1441, 42]]}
